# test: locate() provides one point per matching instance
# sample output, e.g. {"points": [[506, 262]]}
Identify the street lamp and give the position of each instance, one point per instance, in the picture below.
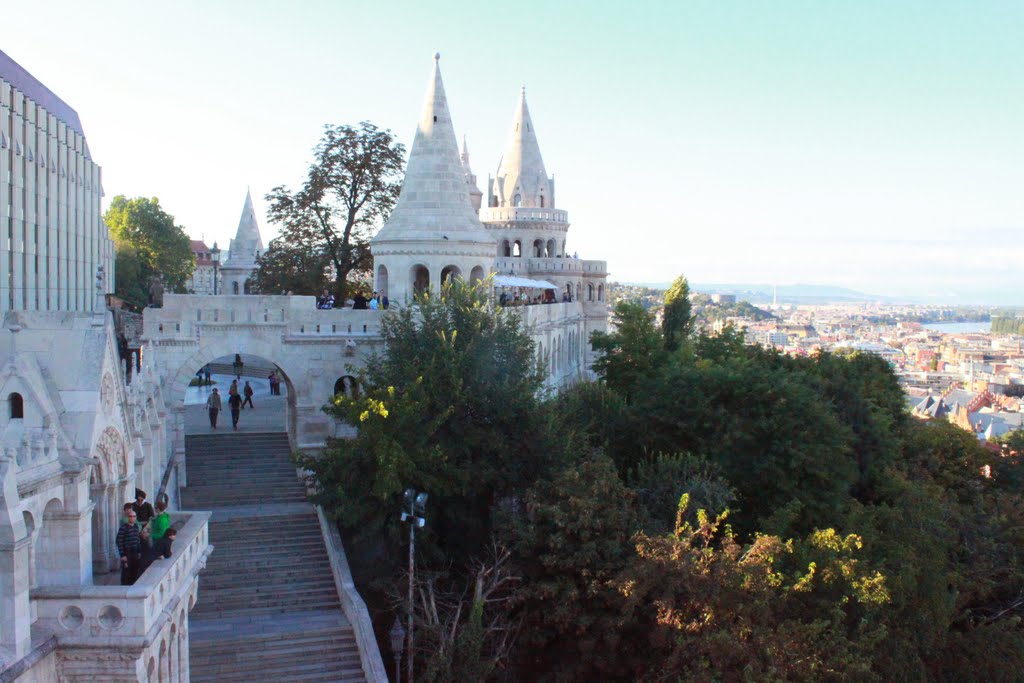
{"points": [[414, 505], [215, 257], [397, 635]]}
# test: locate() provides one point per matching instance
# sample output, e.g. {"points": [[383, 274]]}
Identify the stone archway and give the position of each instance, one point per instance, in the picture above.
{"points": [[219, 347], [108, 490]]}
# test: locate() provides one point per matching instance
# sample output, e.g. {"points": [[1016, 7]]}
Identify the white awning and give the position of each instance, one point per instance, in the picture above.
{"points": [[513, 281]]}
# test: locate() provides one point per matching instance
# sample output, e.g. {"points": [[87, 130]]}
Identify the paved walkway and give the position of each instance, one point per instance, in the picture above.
{"points": [[269, 414]]}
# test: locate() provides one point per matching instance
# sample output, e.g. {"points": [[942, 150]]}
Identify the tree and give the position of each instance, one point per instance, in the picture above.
{"points": [[451, 407], [286, 268], [149, 246], [678, 320], [632, 354], [351, 185]]}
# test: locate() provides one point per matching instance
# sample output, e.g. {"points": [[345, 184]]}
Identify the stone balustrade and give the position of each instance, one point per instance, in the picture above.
{"points": [[511, 213], [185, 318], [129, 616], [560, 266]]}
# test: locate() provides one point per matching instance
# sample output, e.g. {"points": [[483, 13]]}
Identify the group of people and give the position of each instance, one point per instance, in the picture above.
{"points": [[360, 301], [235, 402], [518, 299], [145, 535]]}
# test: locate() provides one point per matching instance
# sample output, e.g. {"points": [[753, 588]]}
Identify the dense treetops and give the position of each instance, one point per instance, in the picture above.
{"points": [[149, 248], [707, 511]]}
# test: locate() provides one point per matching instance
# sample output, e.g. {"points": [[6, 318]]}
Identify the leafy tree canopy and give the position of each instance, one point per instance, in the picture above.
{"points": [[149, 247], [284, 268], [678, 319], [349, 190]]}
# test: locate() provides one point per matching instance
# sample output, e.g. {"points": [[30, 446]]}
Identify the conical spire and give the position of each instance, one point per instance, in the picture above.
{"points": [[434, 203], [247, 242], [521, 172]]}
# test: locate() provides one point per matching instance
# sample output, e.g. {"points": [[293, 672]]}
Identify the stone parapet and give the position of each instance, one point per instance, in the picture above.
{"points": [[558, 266], [508, 214], [128, 617]]}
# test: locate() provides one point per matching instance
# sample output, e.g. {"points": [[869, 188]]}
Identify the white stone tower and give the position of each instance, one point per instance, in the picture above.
{"points": [[243, 250], [433, 232]]}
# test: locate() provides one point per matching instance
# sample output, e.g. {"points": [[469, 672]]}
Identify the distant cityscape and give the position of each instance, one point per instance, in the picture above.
{"points": [[948, 359]]}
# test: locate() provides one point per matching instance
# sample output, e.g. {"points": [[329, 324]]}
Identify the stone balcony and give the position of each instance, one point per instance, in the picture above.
{"points": [[569, 267], [129, 617], [508, 214]]}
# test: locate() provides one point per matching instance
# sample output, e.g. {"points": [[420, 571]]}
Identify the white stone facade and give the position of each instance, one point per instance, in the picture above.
{"points": [[247, 245], [76, 442], [52, 236]]}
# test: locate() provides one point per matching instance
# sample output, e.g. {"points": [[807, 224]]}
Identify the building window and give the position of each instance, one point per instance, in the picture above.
{"points": [[17, 404]]}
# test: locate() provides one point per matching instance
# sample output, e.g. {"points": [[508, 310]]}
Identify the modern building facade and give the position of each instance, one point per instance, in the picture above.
{"points": [[54, 247]]}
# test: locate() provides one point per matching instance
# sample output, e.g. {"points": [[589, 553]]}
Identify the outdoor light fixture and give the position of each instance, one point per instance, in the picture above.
{"points": [[414, 507], [397, 635]]}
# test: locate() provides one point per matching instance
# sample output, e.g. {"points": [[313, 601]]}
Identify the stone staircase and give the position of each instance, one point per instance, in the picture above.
{"points": [[268, 608]]}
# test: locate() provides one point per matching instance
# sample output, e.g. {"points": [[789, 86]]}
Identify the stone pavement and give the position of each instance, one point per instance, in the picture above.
{"points": [[270, 414]]}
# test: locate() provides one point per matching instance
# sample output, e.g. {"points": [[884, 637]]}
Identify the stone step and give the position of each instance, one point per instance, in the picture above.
{"points": [[268, 610]]}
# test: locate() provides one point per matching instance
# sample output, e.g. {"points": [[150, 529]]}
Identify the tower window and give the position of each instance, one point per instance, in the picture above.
{"points": [[435, 119], [17, 404], [517, 200]]}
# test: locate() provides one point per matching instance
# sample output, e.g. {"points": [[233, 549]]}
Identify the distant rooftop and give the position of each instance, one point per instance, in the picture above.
{"points": [[29, 85]]}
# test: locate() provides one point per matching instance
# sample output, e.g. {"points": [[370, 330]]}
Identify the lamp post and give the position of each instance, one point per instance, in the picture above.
{"points": [[215, 257], [414, 505], [397, 635]]}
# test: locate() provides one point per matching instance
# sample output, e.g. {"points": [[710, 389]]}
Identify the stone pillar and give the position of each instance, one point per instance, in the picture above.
{"points": [[15, 613], [64, 554], [184, 673]]}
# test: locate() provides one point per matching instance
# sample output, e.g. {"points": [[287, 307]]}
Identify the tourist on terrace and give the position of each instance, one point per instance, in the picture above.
{"points": [[143, 509], [158, 550], [247, 391], [159, 525], [129, 547], [359, 302], [374, 302], [238, 365]]}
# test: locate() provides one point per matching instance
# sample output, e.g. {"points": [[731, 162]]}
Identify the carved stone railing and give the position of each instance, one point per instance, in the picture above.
{"points": [[351, 603], [102, 616], [491, 214]]}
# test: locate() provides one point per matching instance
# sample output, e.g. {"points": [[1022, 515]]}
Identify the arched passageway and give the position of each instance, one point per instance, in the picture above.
{"points": [[264, 389]]}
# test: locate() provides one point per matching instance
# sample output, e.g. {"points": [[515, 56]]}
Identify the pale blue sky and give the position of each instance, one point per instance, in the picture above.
{"points": [[874, 145]]}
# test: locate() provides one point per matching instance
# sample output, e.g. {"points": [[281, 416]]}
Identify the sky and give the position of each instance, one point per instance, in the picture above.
{"points": [[875, 145]]}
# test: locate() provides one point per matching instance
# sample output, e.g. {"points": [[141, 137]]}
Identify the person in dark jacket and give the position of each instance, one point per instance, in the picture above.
{"points": [[247, 392], [235, 403], [160, 549], [129, 547], [143, 510]]}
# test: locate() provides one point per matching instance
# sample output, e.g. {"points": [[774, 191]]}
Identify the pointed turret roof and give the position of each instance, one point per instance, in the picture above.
{"points": [[434, 203], [521, 169], [247, 241]]}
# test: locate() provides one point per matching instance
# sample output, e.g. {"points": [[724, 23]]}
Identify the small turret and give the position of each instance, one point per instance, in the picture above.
{"points": [[475, 195], [245, 248]]}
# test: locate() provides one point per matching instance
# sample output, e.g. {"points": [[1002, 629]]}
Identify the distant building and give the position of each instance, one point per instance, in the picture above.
{"points": [[202, 281], [53, 241], [723, 298]]}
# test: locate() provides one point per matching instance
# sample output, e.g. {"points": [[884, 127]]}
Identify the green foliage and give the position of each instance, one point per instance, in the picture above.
{"points": [[660, 481], [633, 353], [572, 543], [284, 268], [677, 321], [775, 611], [457, 372], [1007, 325], [148, 247], [351, 186]]}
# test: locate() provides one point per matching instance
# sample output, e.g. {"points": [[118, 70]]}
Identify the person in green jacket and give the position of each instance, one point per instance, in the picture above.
{"points": [[158, 525]]}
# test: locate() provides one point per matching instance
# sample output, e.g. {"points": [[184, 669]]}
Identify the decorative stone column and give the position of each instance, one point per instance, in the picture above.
{"points": [[15, 613]]}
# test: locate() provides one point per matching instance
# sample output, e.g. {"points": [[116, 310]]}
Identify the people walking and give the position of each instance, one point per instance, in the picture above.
{"points": [[213, 404], [238, 366], [129, 548], [247, 391], [272, 378], [206, 374], [235, 403]]}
